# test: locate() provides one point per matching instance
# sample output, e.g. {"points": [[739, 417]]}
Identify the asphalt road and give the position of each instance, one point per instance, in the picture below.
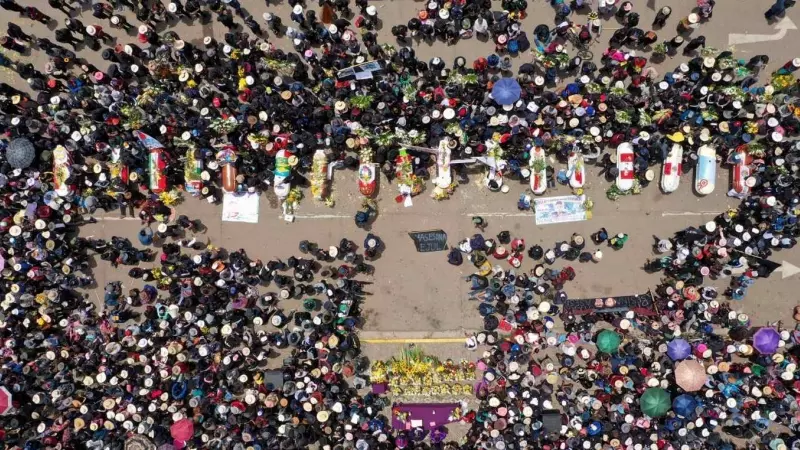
{"points": [[416, 292]]}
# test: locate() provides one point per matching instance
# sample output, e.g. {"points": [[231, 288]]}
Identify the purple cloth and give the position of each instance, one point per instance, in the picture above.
{"points": [[432, 415], [379, 388]]}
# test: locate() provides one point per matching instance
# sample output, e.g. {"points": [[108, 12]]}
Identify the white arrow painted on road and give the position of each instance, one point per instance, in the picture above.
{"points": [[787, 270], [783, 27]]}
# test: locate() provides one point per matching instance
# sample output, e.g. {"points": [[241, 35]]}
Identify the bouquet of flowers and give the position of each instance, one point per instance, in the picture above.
{"points": [[171, 198], [405, 173], [224, 126], [361, 102], [781, 82], [622, 116]]}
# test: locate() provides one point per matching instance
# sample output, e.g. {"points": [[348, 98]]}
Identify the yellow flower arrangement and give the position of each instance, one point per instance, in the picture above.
{"points": [[171, 198], [416, 374]]}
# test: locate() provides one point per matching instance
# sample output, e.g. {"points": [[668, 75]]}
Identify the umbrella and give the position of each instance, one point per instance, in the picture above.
{"points": [[684, 405], [182, 430], [506, 91], [655, 402], [20, 153], [679, 349], [690, 375], [766, 340], [608, 341], [139, 442], [5, 401]]}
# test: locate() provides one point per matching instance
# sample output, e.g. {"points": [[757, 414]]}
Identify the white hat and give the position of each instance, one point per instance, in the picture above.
{"points": [[297, 9], [709, 62], [179, 44], [372, 10], [693, 18], [143, 29], [332, 29], [796, 62]]}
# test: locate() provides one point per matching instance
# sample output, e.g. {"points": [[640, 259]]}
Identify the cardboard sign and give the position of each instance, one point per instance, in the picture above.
{"points": [[640, 303], [429, 241]]}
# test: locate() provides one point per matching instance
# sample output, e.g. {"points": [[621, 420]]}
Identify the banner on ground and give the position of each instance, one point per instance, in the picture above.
{"points": [[641, 304], [240, 208], [566, 208]]}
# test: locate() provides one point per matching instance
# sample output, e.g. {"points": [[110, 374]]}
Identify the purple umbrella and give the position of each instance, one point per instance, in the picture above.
{"points": [[679, 349], [766, 341]]}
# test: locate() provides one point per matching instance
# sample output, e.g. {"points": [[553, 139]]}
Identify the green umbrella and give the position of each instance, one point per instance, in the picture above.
{"points": [[608, 341], [655, 402]]}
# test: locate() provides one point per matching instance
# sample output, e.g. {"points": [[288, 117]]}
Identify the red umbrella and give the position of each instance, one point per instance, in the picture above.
{"points": [[5, 401], [182, 430]]}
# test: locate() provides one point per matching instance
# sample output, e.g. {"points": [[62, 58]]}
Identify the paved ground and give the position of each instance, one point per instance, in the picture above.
{"points": [[421, 292]]}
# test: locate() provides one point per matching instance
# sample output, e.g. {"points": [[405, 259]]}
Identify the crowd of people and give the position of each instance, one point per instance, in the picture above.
{"points": [[685, 369], [206, 352]]}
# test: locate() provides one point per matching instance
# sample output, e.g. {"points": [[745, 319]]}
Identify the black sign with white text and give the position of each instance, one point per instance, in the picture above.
{"points": [[429, 241]]}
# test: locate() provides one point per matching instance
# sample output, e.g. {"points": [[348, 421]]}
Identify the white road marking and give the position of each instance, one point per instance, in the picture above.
{"points": [[322, 216], [783, 27], [689, 213], [501, 214], [787, 270], [100, 219]]}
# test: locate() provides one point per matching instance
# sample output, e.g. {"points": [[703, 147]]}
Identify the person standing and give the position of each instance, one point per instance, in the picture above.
{"points": [[15, 31], [297, 15], [11, 5], [9, 43], [694, 44], [34, 13], [65, 36], [61, 6], [778, 8]]}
